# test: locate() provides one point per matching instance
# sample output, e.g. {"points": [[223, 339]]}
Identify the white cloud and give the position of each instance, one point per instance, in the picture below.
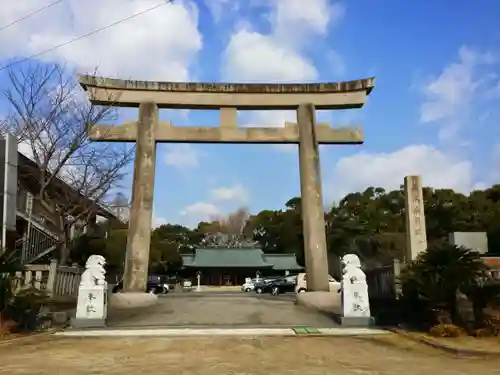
{"points": [[278, 56], [448, 97], [270, 119], [145, 47], [216, 204], [362, 170], [181, 156], [200, 211], [70, 173], [236, 193], [219, 8], [159, 221], [294, 22], [251, 56], [494, 92]]}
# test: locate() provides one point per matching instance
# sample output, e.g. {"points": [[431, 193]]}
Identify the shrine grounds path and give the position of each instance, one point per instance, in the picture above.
{"points": [[221, 310], [380, 355]]}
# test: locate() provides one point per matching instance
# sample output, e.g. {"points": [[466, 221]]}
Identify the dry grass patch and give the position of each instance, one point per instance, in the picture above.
{"points": [[484, 344], [244, 356]]}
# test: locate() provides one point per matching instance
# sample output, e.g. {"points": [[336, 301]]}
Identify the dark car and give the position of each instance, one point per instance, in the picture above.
{"points": [[281, 285], [261, 284], [156, 284]]}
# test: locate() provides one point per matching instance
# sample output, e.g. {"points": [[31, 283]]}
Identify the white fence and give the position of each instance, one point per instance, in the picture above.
{"points": [[60, 282]]}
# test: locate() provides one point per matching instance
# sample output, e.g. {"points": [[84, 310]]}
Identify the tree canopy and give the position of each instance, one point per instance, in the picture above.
{"points": [[370, 224]]}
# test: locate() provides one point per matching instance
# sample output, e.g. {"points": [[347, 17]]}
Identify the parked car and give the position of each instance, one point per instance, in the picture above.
{"points": [[261, 283], [281, 285], [156, 284], [249, 285], [302, 284]]}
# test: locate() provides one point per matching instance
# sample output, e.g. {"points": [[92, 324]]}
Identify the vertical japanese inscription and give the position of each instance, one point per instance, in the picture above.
{"points": [[358, 302], [90, 308], [417, 212]]}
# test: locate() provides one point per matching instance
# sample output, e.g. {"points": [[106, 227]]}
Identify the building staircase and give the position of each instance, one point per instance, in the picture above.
{"points": [[37, 240], [36, 243]]}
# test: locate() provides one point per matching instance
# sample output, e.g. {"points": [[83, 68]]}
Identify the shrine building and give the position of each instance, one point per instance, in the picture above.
{"points": [[230, 266]]}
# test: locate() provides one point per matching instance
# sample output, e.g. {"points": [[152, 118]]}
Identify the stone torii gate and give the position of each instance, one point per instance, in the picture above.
{"points": [[228, 98]]}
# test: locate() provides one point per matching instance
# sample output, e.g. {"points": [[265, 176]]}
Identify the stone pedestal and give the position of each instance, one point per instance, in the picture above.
{"points": [[92, 307], [123, 301], [325, 302], [354, 290], [356, 322], [313, 216], [92, 303]]}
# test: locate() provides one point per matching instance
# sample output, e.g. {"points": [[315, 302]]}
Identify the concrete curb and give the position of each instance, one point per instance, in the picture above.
{"points": [[211, 332], [443, 347]]}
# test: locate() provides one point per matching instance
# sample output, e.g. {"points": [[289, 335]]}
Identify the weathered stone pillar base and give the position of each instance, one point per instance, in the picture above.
{"points": [[122, 301], [325, 302], [139, 232], [356, 322], [87, 323], [313, 216]]}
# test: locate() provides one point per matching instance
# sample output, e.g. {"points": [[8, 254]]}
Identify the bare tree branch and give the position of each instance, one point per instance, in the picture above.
{"points": [[51, 116], [229, 231]]}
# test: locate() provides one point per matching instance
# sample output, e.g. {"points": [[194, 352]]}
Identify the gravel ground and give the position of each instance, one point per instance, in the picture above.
{"points": [[387, 355]]}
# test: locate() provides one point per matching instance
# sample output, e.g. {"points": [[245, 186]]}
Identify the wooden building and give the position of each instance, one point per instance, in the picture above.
{"points": [[30, 225], [222, 266]]}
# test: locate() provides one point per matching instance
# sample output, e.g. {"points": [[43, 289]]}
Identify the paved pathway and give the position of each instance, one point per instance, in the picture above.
{"points": [[221, 310], [380, 355]]}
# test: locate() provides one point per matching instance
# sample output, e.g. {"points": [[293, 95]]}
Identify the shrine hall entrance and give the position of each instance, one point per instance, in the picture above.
{"points": [[231, 266]]}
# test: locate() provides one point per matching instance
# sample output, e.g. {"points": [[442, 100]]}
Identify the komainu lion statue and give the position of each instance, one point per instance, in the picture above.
{"points": [[94, 274], [351, 271]]}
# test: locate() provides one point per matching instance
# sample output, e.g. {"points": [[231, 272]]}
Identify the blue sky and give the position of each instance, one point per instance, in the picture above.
{"points": [[434, 110]]}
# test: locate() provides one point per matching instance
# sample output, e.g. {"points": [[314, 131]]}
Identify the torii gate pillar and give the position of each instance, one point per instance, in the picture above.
{"points": [[313, 217], [139, 234]]}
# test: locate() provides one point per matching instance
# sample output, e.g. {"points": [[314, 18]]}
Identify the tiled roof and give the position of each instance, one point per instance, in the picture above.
{"points": [[234, 258], [187, 259], [228, 258], [283, 262]]}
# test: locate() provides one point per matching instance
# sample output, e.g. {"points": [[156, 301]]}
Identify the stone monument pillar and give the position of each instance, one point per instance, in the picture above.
{"points": [[139, 232], [313, 216], [355, 298], [92, 306], [416, 236]]}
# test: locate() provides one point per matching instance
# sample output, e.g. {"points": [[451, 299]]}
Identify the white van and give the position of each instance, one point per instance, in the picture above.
{"points": [[302, 284]]}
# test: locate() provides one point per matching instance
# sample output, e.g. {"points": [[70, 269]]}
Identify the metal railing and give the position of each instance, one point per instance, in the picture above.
{"points": [[35, 243]]}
